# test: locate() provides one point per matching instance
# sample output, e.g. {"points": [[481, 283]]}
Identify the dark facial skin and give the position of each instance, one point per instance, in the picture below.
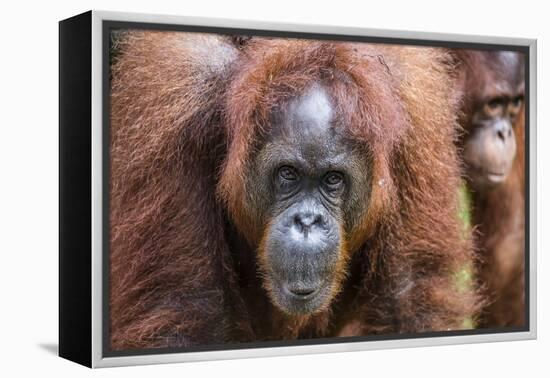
{"points": [[490, 146], [309, 184]]}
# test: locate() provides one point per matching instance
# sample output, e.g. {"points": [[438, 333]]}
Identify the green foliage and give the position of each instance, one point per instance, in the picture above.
{"points": [[468, 323], [464, 207], [464, 277]]}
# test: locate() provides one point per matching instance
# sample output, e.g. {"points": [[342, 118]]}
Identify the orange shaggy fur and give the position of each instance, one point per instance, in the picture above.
{"points": [[188, 112]]}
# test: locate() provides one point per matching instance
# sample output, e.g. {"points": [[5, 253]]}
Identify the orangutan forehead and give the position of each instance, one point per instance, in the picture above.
{"points": [[306, 129], [312, 109], [308, 116], [508, 66]]}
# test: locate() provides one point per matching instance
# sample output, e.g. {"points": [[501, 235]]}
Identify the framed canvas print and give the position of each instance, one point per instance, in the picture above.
{"points": [[232, 189]]}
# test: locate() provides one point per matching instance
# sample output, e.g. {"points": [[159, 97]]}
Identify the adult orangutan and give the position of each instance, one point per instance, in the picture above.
{"points": [[493, 83], [276, 189]]}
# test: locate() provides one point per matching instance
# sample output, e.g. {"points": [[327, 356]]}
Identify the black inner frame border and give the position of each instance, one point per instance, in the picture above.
{"points": [[111, 25]]}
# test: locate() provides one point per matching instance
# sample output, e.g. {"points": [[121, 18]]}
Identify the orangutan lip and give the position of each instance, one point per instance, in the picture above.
{"points": [[302, 294], [496, 177], [492, 176], [293, 291]]}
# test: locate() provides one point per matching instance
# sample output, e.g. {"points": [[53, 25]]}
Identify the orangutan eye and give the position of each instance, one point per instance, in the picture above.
{"points": [[288, 173], [333, 180], [495, 103], [517, 101]]}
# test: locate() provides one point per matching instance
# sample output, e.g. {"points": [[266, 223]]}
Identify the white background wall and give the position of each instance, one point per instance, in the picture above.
{"points": [[29, 189]]}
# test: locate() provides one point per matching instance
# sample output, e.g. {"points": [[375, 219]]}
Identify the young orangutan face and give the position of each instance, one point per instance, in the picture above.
{"points": [[307, 173]]}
